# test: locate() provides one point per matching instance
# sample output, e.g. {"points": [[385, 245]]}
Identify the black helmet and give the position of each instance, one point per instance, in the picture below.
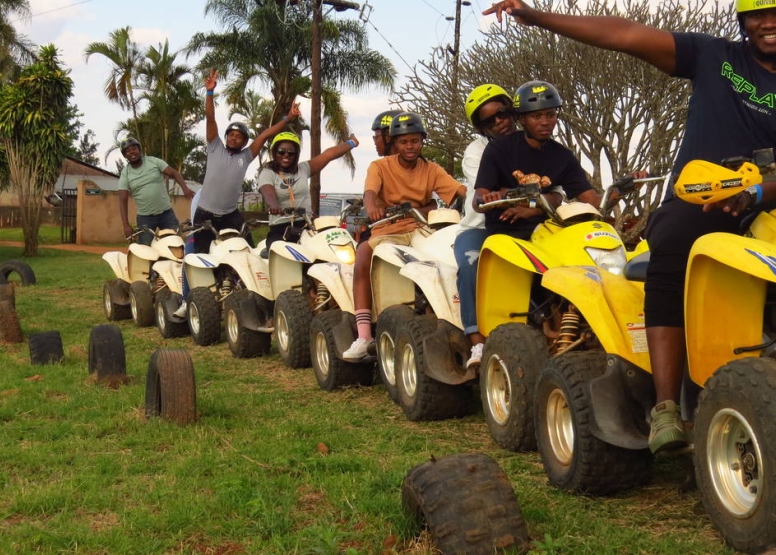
{"points": [[239, 126], [536, 95], [128, 142], [406, 123], [384, 119]]}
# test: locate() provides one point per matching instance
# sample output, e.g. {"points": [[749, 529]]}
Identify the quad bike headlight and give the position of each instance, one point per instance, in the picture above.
{"points": [[346, 254], [177, 252], [610, 260]]}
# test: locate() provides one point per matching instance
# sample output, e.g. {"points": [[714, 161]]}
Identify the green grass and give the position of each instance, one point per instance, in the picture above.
{"points": [[83, 471]]}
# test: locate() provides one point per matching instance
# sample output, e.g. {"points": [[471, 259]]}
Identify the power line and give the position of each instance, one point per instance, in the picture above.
{"points": [[52, 10], [433, 8]]}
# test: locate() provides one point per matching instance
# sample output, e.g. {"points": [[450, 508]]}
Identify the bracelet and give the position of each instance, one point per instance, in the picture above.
{"points": [[759, 196], [209, 93], [352, 144], [285, 118]]}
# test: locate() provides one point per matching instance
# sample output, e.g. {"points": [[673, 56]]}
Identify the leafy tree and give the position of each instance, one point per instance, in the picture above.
{"points": [[619, 114], [34, 134], [271, 45], [87, 148], [15, 50]]}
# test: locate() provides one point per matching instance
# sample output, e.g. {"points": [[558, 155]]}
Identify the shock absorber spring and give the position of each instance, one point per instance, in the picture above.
{"points": [[569, 328], [226, 287], [322, 296]]}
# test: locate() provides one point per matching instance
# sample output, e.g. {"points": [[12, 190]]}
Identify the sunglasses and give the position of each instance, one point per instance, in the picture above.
{"points": [[490, 121], [285, 152]]}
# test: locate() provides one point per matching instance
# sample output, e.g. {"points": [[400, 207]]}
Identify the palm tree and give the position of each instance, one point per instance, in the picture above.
{"points": [[264, 43], [124, 54], [15, 50]]}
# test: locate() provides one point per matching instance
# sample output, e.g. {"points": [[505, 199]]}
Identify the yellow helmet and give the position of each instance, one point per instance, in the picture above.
{"points": [[483, 94], [285, 136], [752, 5]]}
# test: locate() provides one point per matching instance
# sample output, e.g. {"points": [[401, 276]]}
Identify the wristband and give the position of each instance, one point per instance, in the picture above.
{"points": [[209, 93], [285, 118], [352, 144], [759, 196]]}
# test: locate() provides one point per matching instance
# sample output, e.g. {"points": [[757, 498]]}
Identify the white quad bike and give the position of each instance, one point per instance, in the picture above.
{"points": [[143, 273], [298, 295], [231, 278], [394, 298]]}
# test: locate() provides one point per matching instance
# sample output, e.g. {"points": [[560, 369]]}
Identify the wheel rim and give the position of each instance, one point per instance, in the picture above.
{"points": [[387, 360], [161, 322], [133, 305], [321, 354], [107, 301], [409, 378], [498, 390], [281, 331], [194, 318], [232, 326], [735, 462], [559, 427]]}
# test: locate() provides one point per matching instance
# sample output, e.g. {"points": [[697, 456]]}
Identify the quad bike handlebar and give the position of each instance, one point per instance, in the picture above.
{"points": [[398, 212]]}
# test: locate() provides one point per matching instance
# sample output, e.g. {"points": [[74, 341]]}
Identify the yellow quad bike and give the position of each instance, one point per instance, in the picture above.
{"points": [[524, 323], [592, 406]]}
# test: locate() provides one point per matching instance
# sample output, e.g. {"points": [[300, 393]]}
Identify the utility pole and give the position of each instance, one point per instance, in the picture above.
{"points": [[315, 93], [454, 88]]}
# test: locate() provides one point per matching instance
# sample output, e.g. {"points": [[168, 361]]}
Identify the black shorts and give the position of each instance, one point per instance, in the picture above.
{"points": [[232, 220], [671, 231]]}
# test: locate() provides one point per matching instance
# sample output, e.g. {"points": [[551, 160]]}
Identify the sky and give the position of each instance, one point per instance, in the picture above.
{"points": [[405, 31]]}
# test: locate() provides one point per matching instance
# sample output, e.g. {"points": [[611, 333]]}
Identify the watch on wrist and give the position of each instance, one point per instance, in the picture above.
{"points": [[754, 194]]}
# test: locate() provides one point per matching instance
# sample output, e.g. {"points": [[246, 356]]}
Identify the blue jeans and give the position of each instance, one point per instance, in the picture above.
{"points": [[467, 255], [188, 248], [165, 220]]}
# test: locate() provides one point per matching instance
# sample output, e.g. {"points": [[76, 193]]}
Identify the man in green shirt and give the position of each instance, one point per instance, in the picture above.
{"points": [[143, 179]]}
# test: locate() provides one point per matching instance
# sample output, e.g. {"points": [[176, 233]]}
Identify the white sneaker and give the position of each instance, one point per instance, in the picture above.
{"points": [[476, 356], [182, 309], [357, 350]]}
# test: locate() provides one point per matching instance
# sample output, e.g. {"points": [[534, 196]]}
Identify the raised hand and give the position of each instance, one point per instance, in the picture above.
{"points": [[210, 80]]}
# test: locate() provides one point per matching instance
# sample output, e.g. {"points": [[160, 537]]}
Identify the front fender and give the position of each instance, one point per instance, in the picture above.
{"points": [[438, 284], [612, 306], [389, 287], [338, 280], [170, 272], [251, 270], [199, 268], [726, 281], [117, 261], [139, 261], [286, 265]]}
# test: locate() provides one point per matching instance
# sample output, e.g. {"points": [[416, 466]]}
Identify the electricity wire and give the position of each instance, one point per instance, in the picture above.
{"points": [[51, 10]]}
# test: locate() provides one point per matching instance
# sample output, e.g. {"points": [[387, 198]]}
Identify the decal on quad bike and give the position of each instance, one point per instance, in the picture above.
{"points": [[769, 261], [206, 262], [591, 236], [537, 264], [336, 234], [298, 256], [638, 335], [261, 276], [404, 255]]}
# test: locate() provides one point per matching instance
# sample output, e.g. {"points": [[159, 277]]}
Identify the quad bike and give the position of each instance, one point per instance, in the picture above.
{"points": [[141, 273], [298, 296], [592, 404], [234, 280], [525, 323]]}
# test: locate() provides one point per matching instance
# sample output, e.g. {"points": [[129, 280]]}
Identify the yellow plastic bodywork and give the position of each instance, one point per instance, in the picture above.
{"points": [[725, 290], [508, 266], [612, 306]]}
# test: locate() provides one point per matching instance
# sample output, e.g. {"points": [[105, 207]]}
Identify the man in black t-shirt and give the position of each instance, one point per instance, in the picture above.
{"points": [[732, 111], [532, 151]]}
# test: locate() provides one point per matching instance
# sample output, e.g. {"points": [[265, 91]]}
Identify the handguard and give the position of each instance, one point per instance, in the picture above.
{"points": [[703, 182]]}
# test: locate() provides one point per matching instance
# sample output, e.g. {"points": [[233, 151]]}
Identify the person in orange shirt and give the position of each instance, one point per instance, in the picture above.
{"points": [[390, 181]]}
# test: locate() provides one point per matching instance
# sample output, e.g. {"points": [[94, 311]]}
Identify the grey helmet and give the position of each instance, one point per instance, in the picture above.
{"points": [[406, 123], [536, 95], [128, 142]]}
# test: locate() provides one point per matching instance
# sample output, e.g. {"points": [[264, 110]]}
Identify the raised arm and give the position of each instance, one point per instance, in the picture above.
{"points": [[211, 127], [654, 46], [332, 153], [259, 141]]}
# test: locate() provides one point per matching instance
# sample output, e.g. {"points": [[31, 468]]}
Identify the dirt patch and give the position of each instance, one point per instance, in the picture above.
{"points": [[95, 249]]}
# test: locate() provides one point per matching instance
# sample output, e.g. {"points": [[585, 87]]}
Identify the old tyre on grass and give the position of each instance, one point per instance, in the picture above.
{"points": [[292, 328], [573, 458], [468, 505], [10, 329], [8, 293], [141, 302], [115, 310], [243, 342], [107, 358], [204, 317], [734, 455], [170, 387], [167, 328], [388, 323], [46, 348], [421, 397], [332, 372], [512, 359], [16, 271]]}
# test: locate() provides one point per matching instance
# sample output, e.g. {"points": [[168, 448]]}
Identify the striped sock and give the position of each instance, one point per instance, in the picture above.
{"points": [[364, 323]]}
